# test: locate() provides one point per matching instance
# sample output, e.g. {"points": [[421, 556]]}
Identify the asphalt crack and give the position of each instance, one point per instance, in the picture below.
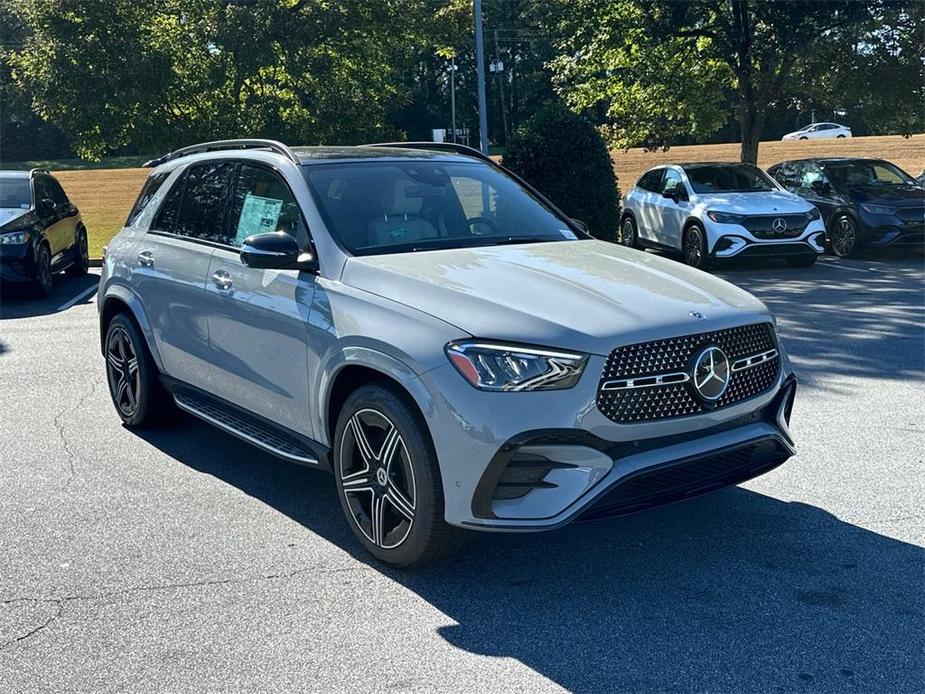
{"points": [[29, 634], [70, 454]]}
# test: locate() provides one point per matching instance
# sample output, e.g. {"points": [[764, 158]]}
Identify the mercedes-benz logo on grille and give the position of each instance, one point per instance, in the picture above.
{"points": [[711, 374], [779, 225]]}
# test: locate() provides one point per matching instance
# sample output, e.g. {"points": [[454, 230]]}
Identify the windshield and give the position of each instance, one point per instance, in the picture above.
{"points": [[15, 193], [728, 178], [868, 173], [376, 207]]}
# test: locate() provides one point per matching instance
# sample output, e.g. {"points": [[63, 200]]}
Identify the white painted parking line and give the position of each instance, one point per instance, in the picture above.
{"points": [[86, 292], [841, 266]]}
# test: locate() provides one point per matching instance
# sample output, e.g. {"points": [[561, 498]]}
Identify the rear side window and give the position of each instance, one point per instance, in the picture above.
{"points": [[150, 188], [56, 191], [787, 174], [205, 193], [263, 203], [650, 180]]}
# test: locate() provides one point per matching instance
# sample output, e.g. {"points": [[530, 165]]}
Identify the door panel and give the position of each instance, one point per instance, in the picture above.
{"points": [[671, 213], [258, 333]]}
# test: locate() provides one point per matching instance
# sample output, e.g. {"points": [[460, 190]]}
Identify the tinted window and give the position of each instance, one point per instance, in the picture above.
{"points": [[56, 191], [811, 174], [393, 207], [671, 181], [787, 174], [202, 209], [263, 203], [728, 178], [151, 186], [15, 193], [42, 189], [650, 180], [868, 173]]}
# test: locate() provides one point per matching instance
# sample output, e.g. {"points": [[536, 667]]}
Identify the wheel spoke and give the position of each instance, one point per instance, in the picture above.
{"points": [[362, 441], [358, 481], [377, 518], [399, 501], [115, 362], [389, 448]]}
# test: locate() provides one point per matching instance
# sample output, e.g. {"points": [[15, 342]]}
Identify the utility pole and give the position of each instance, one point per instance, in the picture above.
{"points": [[453, 96], [480, 75], [497, 66]]}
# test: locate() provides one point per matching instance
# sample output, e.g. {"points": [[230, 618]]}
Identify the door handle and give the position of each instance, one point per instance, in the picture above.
{"points": [[146, 258], [221, 279]]}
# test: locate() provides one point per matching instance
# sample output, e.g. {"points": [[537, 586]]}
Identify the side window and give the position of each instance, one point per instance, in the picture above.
{"points": [[205, 192], [671, 181], [167, 216], [42, 189], [811, 174], [650, 180], [262, 202], [151, 186], [56, 191], [787, 174]]}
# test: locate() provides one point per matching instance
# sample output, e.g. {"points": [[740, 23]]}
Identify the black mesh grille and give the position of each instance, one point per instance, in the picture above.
{"points": [[675, 355], [665, 484], [775, 250], [761, 226]]}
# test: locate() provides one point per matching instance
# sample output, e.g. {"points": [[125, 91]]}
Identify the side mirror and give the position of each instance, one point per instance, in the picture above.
{"points": [[46, 207], [820, 188], [276, 250], [580, 224], [677, 194]]}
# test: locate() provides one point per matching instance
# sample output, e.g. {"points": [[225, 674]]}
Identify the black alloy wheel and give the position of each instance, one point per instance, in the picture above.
{"points": [[843, 236]]}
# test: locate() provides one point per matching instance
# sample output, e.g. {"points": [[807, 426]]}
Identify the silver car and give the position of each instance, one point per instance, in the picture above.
{"points": [[426, 326]]}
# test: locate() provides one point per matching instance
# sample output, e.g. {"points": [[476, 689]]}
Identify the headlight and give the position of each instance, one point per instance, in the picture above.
{"points": [[877, 209], [14, 237], [725, 217], [498, 366], [813, 214]]}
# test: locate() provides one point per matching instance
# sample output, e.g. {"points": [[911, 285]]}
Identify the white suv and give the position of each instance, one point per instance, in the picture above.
{"points": [[712, 211]]}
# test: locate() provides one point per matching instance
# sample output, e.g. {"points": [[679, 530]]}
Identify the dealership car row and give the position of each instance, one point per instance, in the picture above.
{"points": [[401, 281]]}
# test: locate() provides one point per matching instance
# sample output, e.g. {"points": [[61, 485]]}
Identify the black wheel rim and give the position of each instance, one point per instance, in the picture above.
{"points": [[377, 478], [843, 236], [693, 250], [84, 250], [122, 371], [44, 269], [626, 235]]}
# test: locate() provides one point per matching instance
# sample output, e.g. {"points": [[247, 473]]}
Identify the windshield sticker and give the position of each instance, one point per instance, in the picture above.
{"points": [[258, 216], [568, 234]]}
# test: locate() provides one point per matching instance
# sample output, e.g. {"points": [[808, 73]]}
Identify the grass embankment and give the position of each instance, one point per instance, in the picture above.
{"points": [[105, 196]]}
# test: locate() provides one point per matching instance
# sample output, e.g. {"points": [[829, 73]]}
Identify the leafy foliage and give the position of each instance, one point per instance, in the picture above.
{"points": [[564, 157]]}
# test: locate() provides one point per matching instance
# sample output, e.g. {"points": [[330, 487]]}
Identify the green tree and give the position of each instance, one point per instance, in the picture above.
{"points": [[662, 69]]}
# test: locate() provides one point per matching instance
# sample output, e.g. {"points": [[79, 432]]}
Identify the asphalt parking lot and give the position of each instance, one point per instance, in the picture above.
{"points": [[184, 560]]}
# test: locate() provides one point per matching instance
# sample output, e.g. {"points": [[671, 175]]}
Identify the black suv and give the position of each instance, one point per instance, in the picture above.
{"points": [[864, 202], [41, 231]]}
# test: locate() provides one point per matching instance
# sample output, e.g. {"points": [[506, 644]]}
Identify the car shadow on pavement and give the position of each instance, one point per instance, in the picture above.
{"points": [[18, 301], [736, 591]]}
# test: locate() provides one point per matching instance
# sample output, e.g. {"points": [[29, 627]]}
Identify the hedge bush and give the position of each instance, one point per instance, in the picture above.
{"points": [[564, 157]]}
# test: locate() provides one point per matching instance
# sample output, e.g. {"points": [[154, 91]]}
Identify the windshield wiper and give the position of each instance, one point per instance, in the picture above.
{"points": [[522, 239]]}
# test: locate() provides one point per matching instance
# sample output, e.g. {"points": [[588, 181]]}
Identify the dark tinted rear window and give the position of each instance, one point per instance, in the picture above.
{"points": [[151, 186]]}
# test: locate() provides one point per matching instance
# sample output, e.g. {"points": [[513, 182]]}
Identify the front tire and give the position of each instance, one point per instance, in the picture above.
{"points": [[388, 480], [843, 236], [42, 283], [695, 248], [134, 382], [81, 264], [628, 233]]}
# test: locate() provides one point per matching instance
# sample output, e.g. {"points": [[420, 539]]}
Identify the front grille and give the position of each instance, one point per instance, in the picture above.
{"points": [[776, 250], [665, 484], [675, 355], [761, 226]]}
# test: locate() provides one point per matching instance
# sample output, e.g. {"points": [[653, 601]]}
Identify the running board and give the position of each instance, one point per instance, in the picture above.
{"points": [[245, 429]]}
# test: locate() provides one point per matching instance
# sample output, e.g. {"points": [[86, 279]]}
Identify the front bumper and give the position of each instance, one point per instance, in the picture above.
{"points": [[539, 460], [16, 263], [735, 241], [879, 231]]}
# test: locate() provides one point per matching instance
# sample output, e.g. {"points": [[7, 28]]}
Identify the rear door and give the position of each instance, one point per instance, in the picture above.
{"points": [[60, 221], [672, 212], [647, 213], [170, 265], [258, 319]]}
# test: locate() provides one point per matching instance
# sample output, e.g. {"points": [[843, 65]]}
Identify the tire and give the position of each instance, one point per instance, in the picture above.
{"points": [[695, 248], [628, 233], [42, 283], [389, 472], [81, 264], [134, 381], [801, 261], [839, 137], [804, 138], [843, 236]]}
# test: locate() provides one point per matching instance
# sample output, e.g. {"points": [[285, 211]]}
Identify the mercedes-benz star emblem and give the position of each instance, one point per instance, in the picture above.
{"points": [[698, 315], [779, 225], [711, 373]]}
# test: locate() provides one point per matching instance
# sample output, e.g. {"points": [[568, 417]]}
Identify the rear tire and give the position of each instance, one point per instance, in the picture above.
{"points": [[134, 381], [804, 138], [839, 137], [801, 261], [388, 479], [81, 264], [695, 248], [42, 283], [628, 233]]}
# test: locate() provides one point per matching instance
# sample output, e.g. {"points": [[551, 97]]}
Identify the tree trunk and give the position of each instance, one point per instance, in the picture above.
{"points": [[750, 127], [751, 117]]}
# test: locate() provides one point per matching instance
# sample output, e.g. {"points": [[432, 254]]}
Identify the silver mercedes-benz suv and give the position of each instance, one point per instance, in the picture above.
{"points": [[429, 328]]}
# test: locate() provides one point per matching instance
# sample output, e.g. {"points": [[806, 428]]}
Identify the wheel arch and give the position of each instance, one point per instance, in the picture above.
{"points": [[119, 299]]}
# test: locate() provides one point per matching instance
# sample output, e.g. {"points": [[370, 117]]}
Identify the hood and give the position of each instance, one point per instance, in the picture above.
{"points": [[795, 133], [899, 195], [755, 203], [15, 217], [588, 296]]}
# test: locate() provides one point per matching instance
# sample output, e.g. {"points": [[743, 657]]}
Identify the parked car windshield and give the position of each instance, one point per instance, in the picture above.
{"points": [[15, 193], [728, 178], [867, 173], [377, 207]]}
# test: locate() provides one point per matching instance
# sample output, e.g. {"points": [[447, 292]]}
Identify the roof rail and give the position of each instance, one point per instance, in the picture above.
{"points": [[219, 145], [36, 170], [453, 147]]}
